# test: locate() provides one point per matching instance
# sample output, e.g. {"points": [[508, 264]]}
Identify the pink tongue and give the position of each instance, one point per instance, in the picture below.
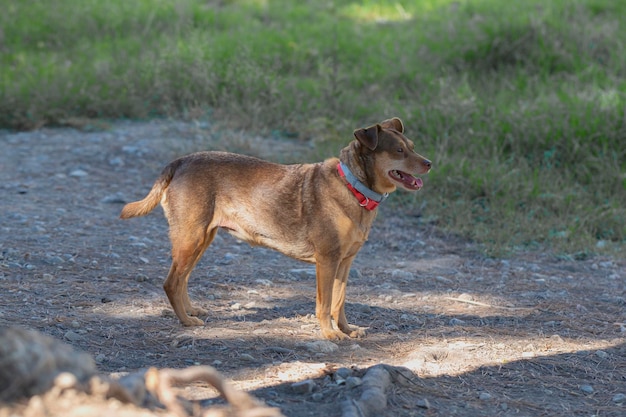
{"points": [[412, 182]]}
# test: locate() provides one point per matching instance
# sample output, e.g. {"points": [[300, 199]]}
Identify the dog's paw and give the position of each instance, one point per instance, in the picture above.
{"points": [[192, 321], [332, 334], [353, 332], [197, 311]]}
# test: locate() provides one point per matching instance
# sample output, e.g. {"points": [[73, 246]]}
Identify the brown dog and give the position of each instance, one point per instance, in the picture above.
{"points": [[320, 213]]}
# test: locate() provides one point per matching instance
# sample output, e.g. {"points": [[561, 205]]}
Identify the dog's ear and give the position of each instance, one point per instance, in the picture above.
{"points": [[368, 137], [394, 123]]}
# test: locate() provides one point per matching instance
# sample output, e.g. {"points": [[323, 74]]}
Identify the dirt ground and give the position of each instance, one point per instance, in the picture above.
{"points": [[534, 335]]}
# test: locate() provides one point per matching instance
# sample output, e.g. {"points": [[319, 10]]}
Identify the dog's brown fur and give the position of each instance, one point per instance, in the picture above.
{"points": [[304, 211]]}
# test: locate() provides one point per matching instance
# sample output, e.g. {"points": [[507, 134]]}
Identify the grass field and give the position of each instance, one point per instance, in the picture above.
{"points": [[520, 104]]}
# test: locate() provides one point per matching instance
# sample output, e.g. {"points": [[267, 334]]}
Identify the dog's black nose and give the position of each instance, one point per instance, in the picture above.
{"points": [[427, 163]]}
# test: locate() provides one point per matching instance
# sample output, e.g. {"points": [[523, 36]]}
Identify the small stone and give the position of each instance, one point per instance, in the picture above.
{"points": [[343, 373], [456, 322], [304, 387], [75, 324], [322, 346], [423, 403], [317, 396], [619, 398], [260, 331], [72, 336], [484, 396], [587, 389], [391, 327], [236, 306], [601, 354], [216, 362], [353, 382], [247, 357], [466, 297], [100, 357], [78, 173]]}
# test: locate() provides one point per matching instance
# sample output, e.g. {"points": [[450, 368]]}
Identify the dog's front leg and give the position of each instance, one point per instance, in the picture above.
{"points": [[326, 271], [339, 299]]}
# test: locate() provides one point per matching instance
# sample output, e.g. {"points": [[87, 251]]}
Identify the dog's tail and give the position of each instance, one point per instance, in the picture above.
{"points": [[145, 206]]}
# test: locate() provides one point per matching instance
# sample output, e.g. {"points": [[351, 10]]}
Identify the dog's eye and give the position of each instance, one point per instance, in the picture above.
{"points": [[400, 150]]}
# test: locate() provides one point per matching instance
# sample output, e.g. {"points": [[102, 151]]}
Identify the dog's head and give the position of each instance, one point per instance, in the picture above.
{"points": [[389, 160]]}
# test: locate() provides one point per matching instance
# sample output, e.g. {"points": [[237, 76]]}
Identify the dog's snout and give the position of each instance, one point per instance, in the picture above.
{"points": [[427, 163]]}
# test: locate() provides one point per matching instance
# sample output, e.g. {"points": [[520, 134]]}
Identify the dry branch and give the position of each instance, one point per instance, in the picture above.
{"points": [[32, 363]]}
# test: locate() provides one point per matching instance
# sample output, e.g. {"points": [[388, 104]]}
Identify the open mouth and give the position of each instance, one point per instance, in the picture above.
{"points": [[408, 181]]}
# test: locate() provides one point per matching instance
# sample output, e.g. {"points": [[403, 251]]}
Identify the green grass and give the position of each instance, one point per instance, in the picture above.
{"points": [[521, 104]]}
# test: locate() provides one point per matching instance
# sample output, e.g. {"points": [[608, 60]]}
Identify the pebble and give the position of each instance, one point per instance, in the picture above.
{"points": [[456, 322], [72, 336], [304, 387], [391, 327], [247, 357], [236, 306], [484, 396], [353, 381], [423, 403], [587, 389], [317, 396], [100, 357], [619, 398], [260, 331], [601, 354], [342, 373], [322, 346], [78, 173]]}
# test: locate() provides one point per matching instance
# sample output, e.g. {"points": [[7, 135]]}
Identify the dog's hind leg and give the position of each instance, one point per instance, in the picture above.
{"points": [[197, 311], [187, 249]]}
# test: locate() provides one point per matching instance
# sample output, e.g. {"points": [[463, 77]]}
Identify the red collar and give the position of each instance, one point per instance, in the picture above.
{"points": [[369, 201]]}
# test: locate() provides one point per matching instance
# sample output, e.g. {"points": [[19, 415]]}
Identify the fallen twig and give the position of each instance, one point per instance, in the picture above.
{"points": [[478, 303], [159, 383], [373, 400]]}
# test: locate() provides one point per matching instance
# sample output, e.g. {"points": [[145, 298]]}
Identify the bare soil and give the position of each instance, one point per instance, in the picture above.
{"points": [[533, 335]]}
